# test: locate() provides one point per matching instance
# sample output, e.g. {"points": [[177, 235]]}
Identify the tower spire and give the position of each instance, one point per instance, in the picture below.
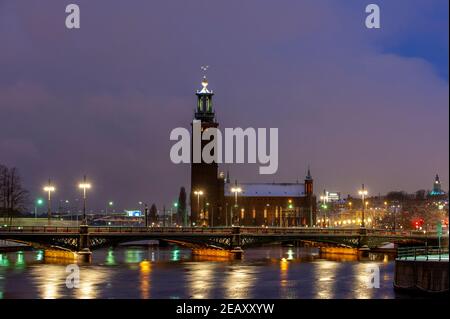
{"points": [[308, 174], [204, 111]]}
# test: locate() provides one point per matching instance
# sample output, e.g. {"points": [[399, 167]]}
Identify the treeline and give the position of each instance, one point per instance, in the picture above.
{"points": [[13, 197], [180, 215]]}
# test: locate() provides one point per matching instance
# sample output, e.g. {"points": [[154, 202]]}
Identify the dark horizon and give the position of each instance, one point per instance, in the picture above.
{"points": [[357, 105]]}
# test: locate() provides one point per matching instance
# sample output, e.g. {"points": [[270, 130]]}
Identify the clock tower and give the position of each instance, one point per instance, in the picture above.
{"points": [[206, 185]]}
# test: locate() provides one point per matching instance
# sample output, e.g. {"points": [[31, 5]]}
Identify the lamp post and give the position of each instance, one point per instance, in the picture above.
{"points": [[178, 219], [198, 193], [363, 193], [39, 202], [49, 189], [110, 204], [84, 186], [236, 190], [322, 205], [206, 215]]}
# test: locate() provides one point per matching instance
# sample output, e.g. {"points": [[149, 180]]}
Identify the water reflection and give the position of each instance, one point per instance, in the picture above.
{"points": [[339, 257], [49, 280], [200, 279], [175, 255], [133, 256], [284, 280], [4, 260], [39, 255], [91, 282], [238, 282], [268, 272], [363, 273], [325, 279], [145, 270], [110, 259]]}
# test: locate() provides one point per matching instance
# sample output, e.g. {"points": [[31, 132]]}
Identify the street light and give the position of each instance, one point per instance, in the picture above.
{"points": [[49, 189], [110, 204], [39, 202], [236, 190], [363, 193], [84, 186], [198, 193]]}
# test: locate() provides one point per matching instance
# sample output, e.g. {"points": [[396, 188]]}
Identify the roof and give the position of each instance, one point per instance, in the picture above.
{"points": [[268, 189]]}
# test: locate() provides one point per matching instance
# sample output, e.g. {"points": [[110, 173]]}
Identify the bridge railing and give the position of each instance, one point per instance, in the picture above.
{"points": [[221, 230], [401, 233], [120, 229], [422, 253], [38, 229], [297, 230]]}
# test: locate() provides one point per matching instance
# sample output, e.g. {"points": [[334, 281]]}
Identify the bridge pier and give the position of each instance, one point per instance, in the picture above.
{"points": [[84, 253], [363, 247], [236, 242]]}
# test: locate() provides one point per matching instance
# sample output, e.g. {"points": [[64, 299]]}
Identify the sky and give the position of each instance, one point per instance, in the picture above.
{"points": [[358, 105]]}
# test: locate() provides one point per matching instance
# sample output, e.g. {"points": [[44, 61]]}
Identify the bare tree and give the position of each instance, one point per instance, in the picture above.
{"points": [[13, 197], [3, 190]]}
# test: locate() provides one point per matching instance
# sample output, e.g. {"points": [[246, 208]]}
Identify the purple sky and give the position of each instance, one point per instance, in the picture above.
{"points": [[358, 105]]}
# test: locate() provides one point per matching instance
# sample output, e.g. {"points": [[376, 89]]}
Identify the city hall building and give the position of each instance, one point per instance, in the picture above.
{"points": [[216, 201]]}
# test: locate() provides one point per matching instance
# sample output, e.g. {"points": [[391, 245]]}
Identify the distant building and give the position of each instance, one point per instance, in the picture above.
{"points": [[437, 190], [271, 204], [327, 196]]}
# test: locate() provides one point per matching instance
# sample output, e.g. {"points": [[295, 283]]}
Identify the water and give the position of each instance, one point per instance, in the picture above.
{"points": [[172, 272]]}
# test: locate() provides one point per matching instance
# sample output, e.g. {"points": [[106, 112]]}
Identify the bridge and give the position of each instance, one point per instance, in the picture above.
{"points": [[226, 238]]}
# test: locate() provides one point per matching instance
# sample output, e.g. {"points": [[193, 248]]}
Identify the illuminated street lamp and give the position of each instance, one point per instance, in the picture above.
{"points": [[110, 204], [324, 200], [84, 186], [363, 193], [236, 190], [198, 193], [49, 189], [39, 202]]}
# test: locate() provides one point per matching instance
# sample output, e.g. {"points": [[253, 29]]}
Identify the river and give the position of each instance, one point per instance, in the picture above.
{"points": [[172, 272]]}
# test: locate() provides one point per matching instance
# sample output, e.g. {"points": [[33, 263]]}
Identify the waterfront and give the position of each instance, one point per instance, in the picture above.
{"points": [[172, 272]]}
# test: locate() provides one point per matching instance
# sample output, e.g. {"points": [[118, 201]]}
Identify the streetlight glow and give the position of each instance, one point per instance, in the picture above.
{"points": [[198, 193], [363, 193], [49, 189], [84, 186]]}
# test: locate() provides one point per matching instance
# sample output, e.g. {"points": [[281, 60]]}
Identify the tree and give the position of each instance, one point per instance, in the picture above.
{"points": [[181, 209], [153, 214], [3, 189], [13, 197], [399, 196], [421, 194]]}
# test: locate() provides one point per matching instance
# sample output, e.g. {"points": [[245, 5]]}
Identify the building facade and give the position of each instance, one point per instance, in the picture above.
{"points": [[214, 201], [270, 204]]}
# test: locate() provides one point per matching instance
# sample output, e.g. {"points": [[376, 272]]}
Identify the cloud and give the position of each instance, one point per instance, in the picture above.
{"points": [[103, 100]]}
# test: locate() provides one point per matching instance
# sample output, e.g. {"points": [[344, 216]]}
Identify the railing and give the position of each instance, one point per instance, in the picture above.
{"points": [[217, 230], [422, 253], [39, 229]]}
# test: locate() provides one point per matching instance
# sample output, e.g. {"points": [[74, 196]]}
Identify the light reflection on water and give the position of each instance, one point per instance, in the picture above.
{"points": [[152, 272]]}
